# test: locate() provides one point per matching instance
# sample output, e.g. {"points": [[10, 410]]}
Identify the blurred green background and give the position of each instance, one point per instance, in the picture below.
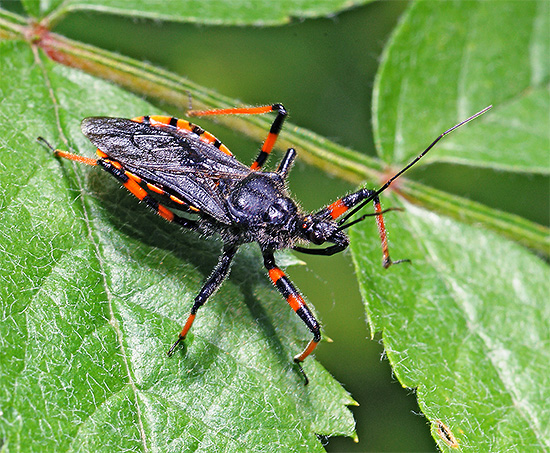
{"points": [[323, 71]]}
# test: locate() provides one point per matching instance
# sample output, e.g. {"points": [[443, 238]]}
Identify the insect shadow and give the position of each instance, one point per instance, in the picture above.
{"points": [[125, 214]]}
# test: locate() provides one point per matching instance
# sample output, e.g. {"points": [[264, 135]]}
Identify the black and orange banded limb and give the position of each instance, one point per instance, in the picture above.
{"points": [[297, 303], [338, 208], [66, 155], [274, 131], [178, 170], [130, 181], [183, 126], [183, 333], [211, 285]]}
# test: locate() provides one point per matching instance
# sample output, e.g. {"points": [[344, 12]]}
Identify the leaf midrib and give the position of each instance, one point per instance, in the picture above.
{"points": [[102, 266]]}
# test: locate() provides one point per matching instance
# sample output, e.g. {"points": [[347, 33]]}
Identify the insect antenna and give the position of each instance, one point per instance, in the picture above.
{"points": [[375, 194]]}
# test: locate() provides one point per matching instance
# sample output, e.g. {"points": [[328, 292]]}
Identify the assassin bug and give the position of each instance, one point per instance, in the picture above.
{"points": [[172, 164]]}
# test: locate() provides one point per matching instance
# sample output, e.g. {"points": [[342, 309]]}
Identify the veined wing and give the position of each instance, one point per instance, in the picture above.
{"points": [[175, 158]]}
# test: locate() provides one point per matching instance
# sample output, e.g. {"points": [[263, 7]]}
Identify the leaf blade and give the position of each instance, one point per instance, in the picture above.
{"points": [[108, 285], [466, 324], [237, 12], [474, 65], [458, 337]]}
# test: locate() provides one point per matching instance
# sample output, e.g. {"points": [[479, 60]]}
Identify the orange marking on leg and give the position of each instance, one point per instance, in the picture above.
{"points": [[386, 261], [295, 302], [337, 208], [75, 157], [101, 154], [187, 326], [136, 189], [232, 111], [269, 142], [275, 274], [165, 213], [255, 166], [307, 351]]}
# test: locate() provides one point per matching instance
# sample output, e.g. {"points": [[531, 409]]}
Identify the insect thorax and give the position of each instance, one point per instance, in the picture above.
{"points": [[260, 207]]}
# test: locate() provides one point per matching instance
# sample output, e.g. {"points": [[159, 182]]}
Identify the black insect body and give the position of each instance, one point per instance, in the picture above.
{"points": [[168, 162]]}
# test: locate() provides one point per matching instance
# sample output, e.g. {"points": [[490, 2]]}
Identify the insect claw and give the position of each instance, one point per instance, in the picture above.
{"points": [[45, 143], [387, 262], [189, 100], [299, 363], [170, 353]]}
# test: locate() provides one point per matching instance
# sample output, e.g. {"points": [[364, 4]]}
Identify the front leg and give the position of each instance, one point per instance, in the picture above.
{"points": [[355, 201], [211, 285], [297, 303]]}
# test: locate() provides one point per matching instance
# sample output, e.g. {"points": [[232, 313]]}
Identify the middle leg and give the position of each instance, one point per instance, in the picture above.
{"points": [[296, 302], [211, 285]]}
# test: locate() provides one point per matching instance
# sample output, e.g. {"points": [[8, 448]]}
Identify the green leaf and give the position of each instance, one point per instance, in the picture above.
{"points": [[96, 281], [447, 61], [467, 323], [95, 289], [235, 12]]}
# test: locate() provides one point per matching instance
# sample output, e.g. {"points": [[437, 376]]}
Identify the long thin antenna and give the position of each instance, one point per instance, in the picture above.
{"points": [[411, 163]]}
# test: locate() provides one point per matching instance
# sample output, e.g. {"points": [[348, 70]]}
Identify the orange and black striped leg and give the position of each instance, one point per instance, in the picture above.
{"points": [[297, 303], [341, 206], [271, 138], [115, 169], [210, 287], [66, 155], [386, 260]]}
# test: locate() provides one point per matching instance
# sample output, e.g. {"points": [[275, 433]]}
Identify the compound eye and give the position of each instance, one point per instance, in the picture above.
{"points": [[316, 239], [316, 236]]}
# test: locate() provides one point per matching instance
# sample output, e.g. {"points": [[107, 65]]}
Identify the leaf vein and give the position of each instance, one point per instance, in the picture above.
{"points": [[90, 227]]}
